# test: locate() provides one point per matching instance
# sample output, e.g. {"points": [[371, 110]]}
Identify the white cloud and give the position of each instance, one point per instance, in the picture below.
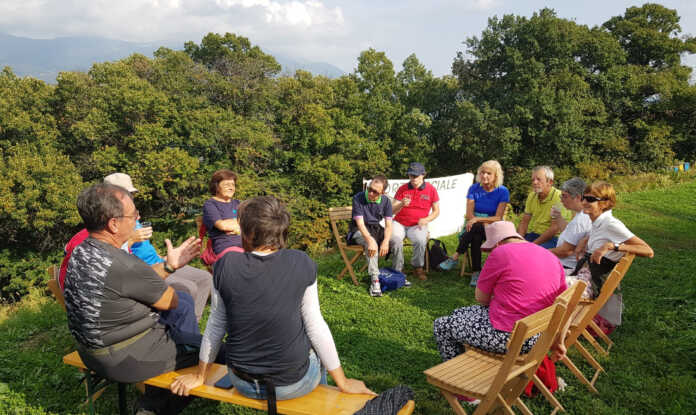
{"points": [[294, 13]]}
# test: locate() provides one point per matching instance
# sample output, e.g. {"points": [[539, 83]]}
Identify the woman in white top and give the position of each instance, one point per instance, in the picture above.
{"points": [[575, 230], [609, 239]]}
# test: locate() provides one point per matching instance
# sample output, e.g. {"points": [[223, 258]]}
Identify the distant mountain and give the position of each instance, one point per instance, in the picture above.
{"points": [[44, 58], [290, 65]]}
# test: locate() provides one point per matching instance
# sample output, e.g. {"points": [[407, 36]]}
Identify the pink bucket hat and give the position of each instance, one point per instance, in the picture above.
{"points": [[496, 232]]}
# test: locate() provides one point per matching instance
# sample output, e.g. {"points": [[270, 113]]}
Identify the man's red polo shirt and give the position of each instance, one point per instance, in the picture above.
{"points": [[422, 200]]}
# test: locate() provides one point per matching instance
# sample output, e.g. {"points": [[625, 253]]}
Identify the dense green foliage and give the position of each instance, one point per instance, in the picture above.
{"points": [[386, 341], [540, 90]]}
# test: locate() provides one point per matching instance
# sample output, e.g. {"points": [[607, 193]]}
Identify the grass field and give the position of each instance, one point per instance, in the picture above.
{"points": [[386, 341]]}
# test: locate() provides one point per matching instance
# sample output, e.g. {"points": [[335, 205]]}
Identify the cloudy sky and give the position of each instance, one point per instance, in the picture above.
{"points": [[316, 30]]}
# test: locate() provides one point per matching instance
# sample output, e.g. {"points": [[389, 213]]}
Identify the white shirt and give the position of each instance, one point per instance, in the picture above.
{"points": [[576, 229], [606, 228]]}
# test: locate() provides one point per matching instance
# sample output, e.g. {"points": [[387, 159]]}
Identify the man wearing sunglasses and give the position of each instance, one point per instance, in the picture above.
{"points": [[416, 204], [369, 209], [537, 225]]}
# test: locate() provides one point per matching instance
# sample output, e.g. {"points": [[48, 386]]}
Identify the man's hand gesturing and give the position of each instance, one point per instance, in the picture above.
{"points": [[184, 253]]}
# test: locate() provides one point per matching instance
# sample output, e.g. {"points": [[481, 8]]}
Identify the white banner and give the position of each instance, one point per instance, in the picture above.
{"points": [[452, 191]]}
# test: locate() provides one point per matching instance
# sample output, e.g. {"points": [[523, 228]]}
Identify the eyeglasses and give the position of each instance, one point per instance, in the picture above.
{"points": [[135, 216], [592, 199], [372, 191]]}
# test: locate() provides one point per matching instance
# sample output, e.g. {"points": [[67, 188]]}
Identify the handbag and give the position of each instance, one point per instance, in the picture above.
{"points": [[437, 252], [613, 309], [391, 279]]}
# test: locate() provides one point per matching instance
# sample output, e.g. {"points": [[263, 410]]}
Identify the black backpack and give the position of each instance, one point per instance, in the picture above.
{"points": [[437, 251]]}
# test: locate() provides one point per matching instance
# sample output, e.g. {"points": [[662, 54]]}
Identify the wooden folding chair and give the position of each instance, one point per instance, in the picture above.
{"points": [[571, 296], [499, 383], [465, 261], [54, 286], [336, 215], [585, 312]]}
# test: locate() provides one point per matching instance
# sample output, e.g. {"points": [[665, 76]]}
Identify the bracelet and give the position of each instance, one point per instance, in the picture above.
{"points": [[168, 268]]}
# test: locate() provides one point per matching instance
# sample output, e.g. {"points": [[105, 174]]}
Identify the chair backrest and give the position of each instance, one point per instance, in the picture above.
{"points": [[518, 369], [54, 286], [337, 214], [587, 311]]}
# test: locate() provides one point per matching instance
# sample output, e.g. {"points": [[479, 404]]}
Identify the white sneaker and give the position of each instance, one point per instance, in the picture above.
{"points": [[407, 283], [375, 289]]}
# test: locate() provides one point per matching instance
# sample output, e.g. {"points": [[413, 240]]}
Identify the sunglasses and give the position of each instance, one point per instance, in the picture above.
{"points": [[592, 199], [372, 191]]}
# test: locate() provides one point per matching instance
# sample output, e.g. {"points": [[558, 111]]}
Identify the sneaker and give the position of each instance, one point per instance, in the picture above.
{"points": [[474, 278], [447, 264], [407, 283], [375, 289]]}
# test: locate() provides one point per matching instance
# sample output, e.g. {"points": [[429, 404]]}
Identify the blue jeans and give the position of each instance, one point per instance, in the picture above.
{"points": [[315, 374], [551, 243]]}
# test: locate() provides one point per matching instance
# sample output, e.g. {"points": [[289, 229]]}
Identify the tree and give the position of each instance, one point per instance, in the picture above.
{"points": [[649, 34], [245, 72]]}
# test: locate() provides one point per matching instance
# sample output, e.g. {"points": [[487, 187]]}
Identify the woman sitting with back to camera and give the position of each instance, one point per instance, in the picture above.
{"points": [[486, 203], [267, 303]]}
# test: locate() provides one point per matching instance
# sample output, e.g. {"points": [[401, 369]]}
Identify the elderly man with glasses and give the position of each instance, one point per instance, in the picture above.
{"points": [[370, 207], [128, 324], [194, 281], [417, 204]]}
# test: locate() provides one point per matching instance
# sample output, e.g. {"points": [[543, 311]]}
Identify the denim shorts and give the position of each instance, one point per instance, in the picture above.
{"points": [[316, 374]]}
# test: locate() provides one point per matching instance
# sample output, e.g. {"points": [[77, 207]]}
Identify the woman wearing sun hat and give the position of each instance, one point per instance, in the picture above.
{"points": [[519, 278]]}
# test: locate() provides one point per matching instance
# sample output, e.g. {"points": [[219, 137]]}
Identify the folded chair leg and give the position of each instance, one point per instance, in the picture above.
{"points": [[548, 395], [602, 336], [505, 406], [454, 402], [586, 334], [523, 407], [578, 374], [590, 359], [465, 262], [349, 266]]}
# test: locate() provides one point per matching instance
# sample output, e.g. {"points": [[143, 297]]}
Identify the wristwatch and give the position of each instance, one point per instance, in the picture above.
{"points": [[616, 247], [168, 268]]}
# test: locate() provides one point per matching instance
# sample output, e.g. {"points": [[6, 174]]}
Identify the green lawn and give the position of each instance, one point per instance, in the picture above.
{"points": [[386, 341]]}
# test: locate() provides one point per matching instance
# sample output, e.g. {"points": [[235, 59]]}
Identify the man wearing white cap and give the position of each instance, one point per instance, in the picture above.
{"points": [[194, 281]]}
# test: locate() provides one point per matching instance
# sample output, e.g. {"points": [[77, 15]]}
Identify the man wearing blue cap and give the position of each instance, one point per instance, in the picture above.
{"points": [[416, 204]]}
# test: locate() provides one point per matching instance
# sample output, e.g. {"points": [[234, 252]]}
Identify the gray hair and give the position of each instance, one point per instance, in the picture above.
{"points": [[547, 171], [575, 186], [100, 202]]}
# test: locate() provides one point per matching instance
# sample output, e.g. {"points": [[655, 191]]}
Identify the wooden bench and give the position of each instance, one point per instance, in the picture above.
{"points": [[322, 400]]}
